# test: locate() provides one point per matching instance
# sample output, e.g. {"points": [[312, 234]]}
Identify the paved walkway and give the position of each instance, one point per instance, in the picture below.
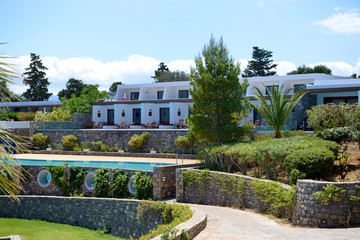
{"points": [[228, 223]]}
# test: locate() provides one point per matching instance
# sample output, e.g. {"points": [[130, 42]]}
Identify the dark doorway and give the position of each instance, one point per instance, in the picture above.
{"points": [[137, 115], [164, 116], [257, 118], [110, 116]]}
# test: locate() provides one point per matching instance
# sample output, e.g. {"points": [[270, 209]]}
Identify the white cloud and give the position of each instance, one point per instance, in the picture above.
{"points": [[340, 68], [284, 67], [135, 69], [348, 22]]}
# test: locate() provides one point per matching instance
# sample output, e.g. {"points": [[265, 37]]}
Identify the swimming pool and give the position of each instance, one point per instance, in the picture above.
{"points": [[143, 166]]}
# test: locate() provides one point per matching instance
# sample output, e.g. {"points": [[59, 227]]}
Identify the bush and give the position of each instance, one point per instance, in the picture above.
{"points": [[277, 199], [183, 142], [295, 174], [9, 115], [314, 163], [40, 140], [99, 146], [340, 134], [26, 116], [138, 142], [333, 115], [57, 114], [265, 156], [119, 184], [70, 142], [143, 184], [102, 184]]}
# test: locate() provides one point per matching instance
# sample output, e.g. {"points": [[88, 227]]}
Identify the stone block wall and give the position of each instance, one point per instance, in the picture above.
{"points": [[162, 141], [165, 180], [316, 214], [117, 215]]}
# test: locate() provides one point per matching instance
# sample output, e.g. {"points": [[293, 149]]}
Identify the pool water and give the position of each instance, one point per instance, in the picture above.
{"points": [[143, 166]]}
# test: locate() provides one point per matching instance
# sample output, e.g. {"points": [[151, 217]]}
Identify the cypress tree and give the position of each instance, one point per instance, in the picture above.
{"points": [[35, 79], [217, 95]]}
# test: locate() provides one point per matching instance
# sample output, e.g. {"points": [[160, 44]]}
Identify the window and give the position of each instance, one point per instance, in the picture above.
{"points": [[298, 87], [183, 93], [160, 94], [270, 88], [337, 100], [134, 96]]}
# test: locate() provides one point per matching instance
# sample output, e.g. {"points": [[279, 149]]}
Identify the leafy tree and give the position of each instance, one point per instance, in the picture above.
{"points": [[73, 86], [279, 108], [217, 94], [10, 172], [317, 69], [113, 88], [81, 104], [163, 74], [35, 79], [261, 65], [354, 75]]}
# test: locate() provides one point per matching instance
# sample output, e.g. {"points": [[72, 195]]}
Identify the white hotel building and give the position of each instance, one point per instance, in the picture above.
{"points": [[168, 102]]}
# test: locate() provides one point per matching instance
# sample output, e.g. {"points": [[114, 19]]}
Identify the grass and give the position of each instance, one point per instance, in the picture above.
{"points": [[41, 230]]}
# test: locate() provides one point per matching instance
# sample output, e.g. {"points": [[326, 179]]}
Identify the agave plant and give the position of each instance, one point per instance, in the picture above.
{"points": [[279, 107], [10, 171]]}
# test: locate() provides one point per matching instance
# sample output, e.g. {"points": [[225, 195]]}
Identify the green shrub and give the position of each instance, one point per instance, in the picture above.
{"points": [[183, 142], [102, 183], [86, 145], [294, 175], [119, 184], [143, 185], [288, 134], [7, 116], [69, 185], [99, 146], [70, 141], [172, 214], [40, 140], [277, 199], [57, 114], [315, 163], [340, 134], [138, 142], [332, 115], [264, 156]]}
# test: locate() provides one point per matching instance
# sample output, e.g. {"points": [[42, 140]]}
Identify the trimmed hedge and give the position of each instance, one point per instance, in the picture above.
{"points": [[267, 156], [314, 162]]}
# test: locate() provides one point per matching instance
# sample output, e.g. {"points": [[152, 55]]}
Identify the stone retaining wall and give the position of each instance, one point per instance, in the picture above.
{"points": [[165, 180], [214, 193], [117, 215], [306, 212], [162, 141], [333, 214]]}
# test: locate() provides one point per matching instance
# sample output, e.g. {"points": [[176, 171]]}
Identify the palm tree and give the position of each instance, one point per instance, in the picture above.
{"points": [[280, 107], [10, 171]]}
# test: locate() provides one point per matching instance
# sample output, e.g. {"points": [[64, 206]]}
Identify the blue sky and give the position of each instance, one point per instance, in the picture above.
{"points": [[105, 41]]}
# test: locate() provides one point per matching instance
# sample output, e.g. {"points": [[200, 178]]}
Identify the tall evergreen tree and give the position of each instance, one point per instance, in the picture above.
{"points": [[261, 65], [217, 95], [35, 79]]}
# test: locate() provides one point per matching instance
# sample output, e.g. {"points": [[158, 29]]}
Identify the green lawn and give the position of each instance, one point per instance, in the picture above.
{"points": [[41, 230]]}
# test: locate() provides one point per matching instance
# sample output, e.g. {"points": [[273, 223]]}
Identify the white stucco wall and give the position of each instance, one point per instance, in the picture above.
{"points": [[103, 112]]}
